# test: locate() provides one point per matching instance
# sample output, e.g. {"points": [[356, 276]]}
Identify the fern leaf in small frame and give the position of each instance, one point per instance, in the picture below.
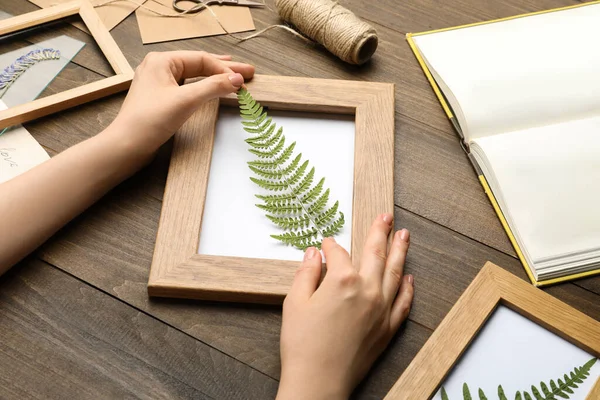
{"points": [[482, 395], [299, 207], [553, 390], [444, 394], [501, 395], [466, 392], [15, 70]]}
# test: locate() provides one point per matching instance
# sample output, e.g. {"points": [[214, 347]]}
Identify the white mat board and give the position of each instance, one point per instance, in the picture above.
{"points": [[232, 225]]}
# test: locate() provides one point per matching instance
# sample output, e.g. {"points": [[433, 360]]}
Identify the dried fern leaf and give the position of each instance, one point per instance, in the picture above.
{"points": [[561, 388], [15, 70], [299, 207]]}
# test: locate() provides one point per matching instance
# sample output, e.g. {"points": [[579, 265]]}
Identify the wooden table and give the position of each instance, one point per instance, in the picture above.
{"points": [[75, 318]]}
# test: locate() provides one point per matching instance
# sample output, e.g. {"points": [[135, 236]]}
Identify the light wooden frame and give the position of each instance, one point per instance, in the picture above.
{"points": [[178, 271], [492, 286], [73, 97]]}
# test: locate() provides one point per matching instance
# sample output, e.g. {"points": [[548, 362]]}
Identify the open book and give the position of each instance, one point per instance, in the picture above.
{"points": [[524, 95]]}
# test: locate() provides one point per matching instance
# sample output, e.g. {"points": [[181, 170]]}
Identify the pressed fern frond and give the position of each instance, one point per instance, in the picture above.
{"points": [[466, 392], [298, 207], [444, 394], [548, 391], [22, 64]]}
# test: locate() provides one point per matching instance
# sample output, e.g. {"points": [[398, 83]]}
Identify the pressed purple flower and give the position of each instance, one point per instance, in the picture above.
{"points": [[22, 64]]}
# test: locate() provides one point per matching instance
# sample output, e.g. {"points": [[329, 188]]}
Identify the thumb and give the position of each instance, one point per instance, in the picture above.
{"points": [[307, 276], [212, 87]]}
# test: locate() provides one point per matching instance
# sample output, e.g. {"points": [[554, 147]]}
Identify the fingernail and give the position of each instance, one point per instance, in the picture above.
{"points": [[332, 239], [236, 80], [411, 279], [387, 218], [310, 253], [405, 235]]}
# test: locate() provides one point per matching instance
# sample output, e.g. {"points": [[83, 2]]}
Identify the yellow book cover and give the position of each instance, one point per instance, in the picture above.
{"points": [[482, 179]]}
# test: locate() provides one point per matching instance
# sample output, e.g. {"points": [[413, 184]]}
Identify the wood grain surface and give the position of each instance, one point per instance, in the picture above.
{"points": [[108, 249]]}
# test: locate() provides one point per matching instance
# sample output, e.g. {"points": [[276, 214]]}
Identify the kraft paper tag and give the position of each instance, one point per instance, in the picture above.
{"points": [[155, 28], [19, 151], [111, 14]]}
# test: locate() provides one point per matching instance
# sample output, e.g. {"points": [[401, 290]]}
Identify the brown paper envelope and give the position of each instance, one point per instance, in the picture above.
{"points": [[154, 28], [111, 14]]}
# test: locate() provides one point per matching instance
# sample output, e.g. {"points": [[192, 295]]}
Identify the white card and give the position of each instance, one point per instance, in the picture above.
{"points": [[19, 151]]}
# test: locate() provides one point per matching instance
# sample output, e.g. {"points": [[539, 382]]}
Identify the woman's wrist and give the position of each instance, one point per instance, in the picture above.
{"points": [[298, 386]]}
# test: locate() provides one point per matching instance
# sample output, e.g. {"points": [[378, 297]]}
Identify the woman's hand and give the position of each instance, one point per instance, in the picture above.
{"points": [[157, 104], [37, 203], [333, 332]]}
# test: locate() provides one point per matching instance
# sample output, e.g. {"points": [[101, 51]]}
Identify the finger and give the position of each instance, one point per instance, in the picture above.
{"points": [[246, 70], [307, 276], [222, 57], [392, 277], [209, 88], [372, 262], [191, 64], [402, 304], [336, 257]]}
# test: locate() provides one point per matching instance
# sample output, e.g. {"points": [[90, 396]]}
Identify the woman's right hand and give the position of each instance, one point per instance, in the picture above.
{"points": [[157, 103], [333, 332]]}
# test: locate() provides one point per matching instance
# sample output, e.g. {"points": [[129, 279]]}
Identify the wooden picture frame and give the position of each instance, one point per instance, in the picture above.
{"points": [[493, 286], [73, 97], [178, 271]]}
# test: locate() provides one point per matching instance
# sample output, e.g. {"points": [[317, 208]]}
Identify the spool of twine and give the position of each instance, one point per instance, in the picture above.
{"points": [[333, 26]]}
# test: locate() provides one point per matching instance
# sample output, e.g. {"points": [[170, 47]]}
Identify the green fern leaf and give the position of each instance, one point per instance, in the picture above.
{"points": [[325, 218], [290, 222], [299, 208], [277, 161], [256, 122], [277, 174], [518, 396], [280, 209], [319, 206], [536, 393], [466, 392], [261, 137], [482, 395], [260, 129], [266, 143], [335, 226], [550, 391], [444, 394], [501, 395], [268, 184], [546, 391], [306, 182], [314, 192], [271, 151], [275, 198]]}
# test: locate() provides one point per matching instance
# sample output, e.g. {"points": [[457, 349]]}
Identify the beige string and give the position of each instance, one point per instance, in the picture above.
{"points": [[333, 26], [319, 21]]}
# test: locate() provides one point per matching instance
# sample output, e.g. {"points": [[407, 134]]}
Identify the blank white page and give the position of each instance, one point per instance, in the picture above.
{"points": [[232, 225], [523, 72], [516, 353], [549, 179]]}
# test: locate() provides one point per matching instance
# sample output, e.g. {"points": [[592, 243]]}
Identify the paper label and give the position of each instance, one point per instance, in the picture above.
{"points": [[19, 151]]}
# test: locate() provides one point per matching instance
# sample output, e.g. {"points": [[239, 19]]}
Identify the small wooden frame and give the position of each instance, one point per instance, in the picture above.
{"points": [[493, 286], [178, 271], [73, 97]]}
